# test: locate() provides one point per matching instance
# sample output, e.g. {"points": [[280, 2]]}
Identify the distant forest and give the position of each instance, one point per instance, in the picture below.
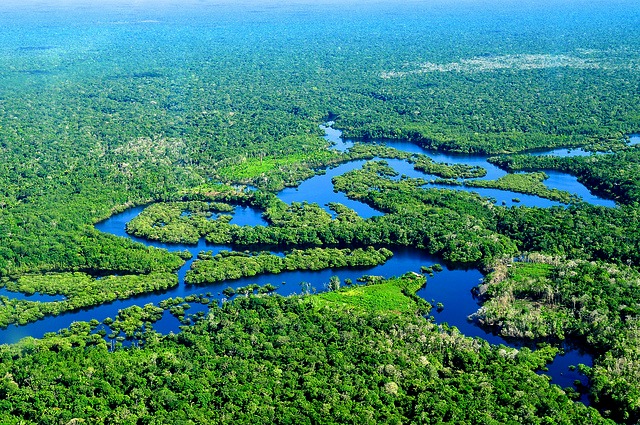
{"points": [[193, 108]]}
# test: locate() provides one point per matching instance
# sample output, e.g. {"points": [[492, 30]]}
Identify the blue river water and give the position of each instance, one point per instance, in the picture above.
{"points": [[634, 139], [30, 297], [451, 287], [556, 180]]}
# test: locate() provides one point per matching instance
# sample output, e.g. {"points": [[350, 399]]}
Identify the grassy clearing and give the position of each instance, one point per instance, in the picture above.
{"points": [[251, 168], [393, 295], [522, 271]]}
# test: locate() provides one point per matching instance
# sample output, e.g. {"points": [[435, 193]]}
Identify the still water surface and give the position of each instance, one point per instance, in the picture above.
{"points": [[556, 179], [451, 287]]}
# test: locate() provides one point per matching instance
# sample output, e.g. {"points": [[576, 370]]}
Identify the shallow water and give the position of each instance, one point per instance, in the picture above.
{"points": [[562, 152]]}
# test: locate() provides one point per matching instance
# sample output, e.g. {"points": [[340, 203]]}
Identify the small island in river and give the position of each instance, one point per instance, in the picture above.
{"points": [[320, 212]]}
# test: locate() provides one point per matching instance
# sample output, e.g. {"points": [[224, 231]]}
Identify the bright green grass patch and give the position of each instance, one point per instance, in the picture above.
{"points": [[393, 295], [250, 168], [521, 271]]}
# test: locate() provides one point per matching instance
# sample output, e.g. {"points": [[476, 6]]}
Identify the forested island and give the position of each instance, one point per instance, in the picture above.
{"points": [[234, 213]]}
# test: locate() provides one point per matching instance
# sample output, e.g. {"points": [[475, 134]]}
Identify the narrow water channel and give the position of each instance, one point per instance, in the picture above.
{"points": [[451, 287], [556, 179]]}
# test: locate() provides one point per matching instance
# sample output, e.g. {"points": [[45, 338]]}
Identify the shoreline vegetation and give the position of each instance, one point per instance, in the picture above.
{"points": [[181, 109], [402, 361], [593, 302]]}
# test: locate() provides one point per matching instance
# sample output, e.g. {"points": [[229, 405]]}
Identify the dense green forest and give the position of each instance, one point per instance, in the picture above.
{"points": [[315, 359], [195, 108], [232, 265], [614, 174]]}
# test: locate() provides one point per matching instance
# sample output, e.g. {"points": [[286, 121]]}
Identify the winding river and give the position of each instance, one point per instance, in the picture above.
{"points": [[451, 287]]}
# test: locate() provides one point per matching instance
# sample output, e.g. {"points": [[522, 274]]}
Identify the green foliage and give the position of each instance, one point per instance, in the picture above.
{"points": [[457, 225], [116, 136], [415, 217], [177, 222], [34, 250], [270, 359], [529, 183], [578, 231], [615, 175], [395, 295], [592, 301], [274, 173], [89, 129], [420, 162], [131, 320], [234, 265], [79, 289]]}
